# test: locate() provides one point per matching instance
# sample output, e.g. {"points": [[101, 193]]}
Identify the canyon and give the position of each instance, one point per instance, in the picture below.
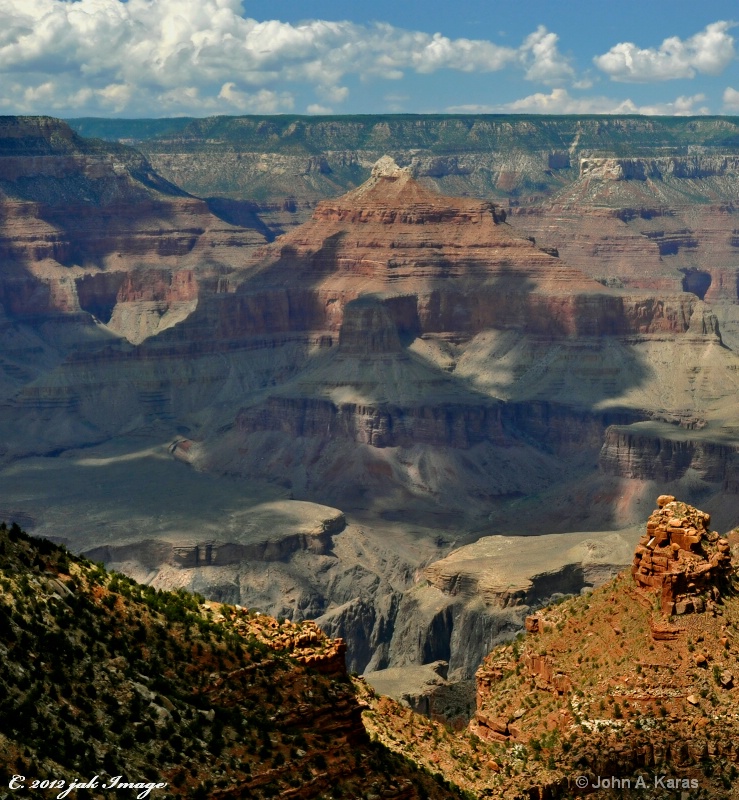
{"points": [[257, 359], [636, 680], [625, 681]]}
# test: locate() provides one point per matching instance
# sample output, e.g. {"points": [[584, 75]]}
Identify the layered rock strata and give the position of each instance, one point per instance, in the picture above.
{"points": [[402, 290], [682, 558], [292, 162], [92, 228], [403, 355], [663, 224], [226, 703], [437, 278], [659, 451]]}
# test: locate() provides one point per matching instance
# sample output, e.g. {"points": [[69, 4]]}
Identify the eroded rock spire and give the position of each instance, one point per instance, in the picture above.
{"points": [[680, 557]]}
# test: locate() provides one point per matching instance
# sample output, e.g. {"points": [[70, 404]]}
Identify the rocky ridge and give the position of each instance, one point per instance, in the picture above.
{"points": [[682, 558], [637, 204], [263, 331], [392, 264], [206, 700], [659, 223], [90, 227], [290, 163], [611, 684], [600, 687]]}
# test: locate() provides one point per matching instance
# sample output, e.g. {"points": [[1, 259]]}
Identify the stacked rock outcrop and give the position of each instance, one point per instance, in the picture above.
{"points": [[304, 641], [681, 557]]}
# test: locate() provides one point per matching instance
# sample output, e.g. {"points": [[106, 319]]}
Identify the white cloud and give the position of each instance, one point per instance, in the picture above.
{"points": [[559, 101], [465, 55], [680, 107], [144, 57], [543, 61], [710, 51], [333, 94], [193, 56], [262, 102], [583, 83], [731, 100], [116, 96]]}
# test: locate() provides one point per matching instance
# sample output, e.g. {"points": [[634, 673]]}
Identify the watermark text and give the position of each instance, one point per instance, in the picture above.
{"points": [[656, 781], [64, 787]]}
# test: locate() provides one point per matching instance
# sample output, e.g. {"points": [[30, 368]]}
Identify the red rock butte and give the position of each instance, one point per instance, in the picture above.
{"points": [[392, 195], [680, 557], [455, 262]]}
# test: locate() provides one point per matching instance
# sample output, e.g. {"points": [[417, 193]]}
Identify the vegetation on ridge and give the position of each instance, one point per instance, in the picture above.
{"points": [[439, 133], [603, 685], [288, 162], [100, 675]]}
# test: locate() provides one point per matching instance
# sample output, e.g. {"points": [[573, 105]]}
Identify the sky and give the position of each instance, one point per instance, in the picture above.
{"points": [[159, 58]]}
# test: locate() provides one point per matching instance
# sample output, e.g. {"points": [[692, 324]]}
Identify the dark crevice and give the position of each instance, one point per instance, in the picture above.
{"points": [[696, 281]]}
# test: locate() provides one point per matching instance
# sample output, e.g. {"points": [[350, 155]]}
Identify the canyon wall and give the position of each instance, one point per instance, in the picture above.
{"points": [[291, 162]]}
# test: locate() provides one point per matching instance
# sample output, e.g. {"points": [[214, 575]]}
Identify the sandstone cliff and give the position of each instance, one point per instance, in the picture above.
{"points": [[662, 223], [90, 227], [643, 202], [392, 264], [289, 163], [96, 251], [475, 313], [615, 196]]}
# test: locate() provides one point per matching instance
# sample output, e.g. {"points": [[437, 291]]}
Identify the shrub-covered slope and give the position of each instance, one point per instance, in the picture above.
{"points": [[102, 676]]}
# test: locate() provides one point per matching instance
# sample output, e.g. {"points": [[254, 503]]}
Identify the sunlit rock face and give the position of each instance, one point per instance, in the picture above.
{"points": [[665, 223], [681, 558], [400, 347], [97, 253], [90, 228]]}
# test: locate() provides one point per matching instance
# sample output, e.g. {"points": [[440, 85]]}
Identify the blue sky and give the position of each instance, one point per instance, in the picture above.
{"points": [[144, 58]]}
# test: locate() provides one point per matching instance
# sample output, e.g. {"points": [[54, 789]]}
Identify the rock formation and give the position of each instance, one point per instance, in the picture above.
{"points": [[611, 683], [601, 688], [658, 223], [415, 302], [635, 204], [92, 229], [681, 558], [645, 204], [322, 332], [291, 162]]}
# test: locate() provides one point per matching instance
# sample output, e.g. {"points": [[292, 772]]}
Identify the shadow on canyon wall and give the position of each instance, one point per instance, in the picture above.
{"points": [[289, 297]]}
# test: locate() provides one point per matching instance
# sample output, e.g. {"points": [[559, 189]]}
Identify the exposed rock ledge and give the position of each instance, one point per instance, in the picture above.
{"points": [[426, 690], [273, 532], [662, 452], [517, 570], [479, 595], [641, 169]]}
